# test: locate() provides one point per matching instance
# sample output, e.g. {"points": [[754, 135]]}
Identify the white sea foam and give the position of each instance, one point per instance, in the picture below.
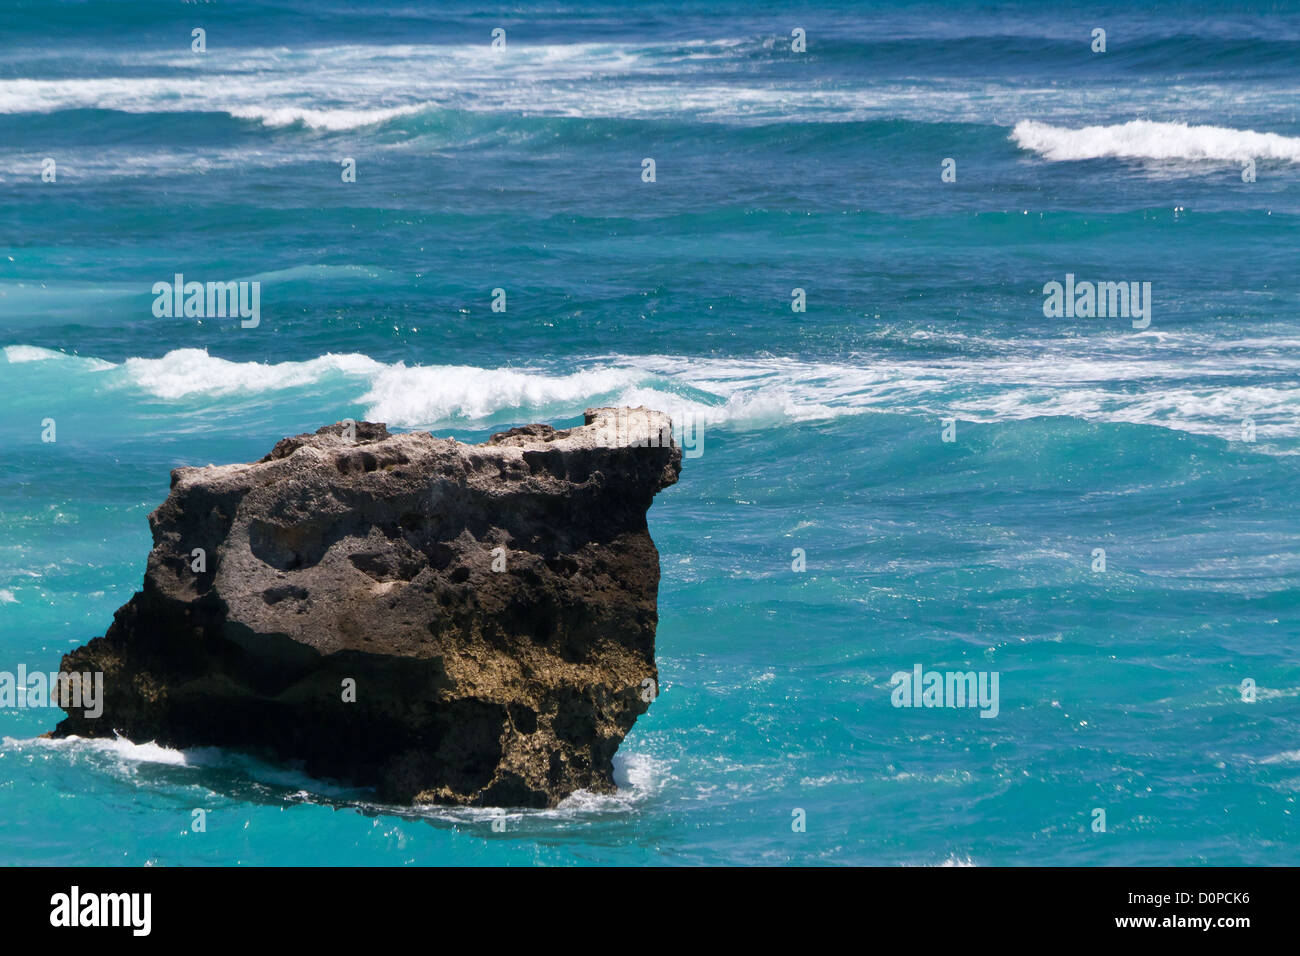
{"points": [[185, 372], [19, 354], [639, 778], [1145, 139], [347, 87], [123, 758], [119, 748], [135, 162], [1191, 384], [336, 119], [448, 392], [31, 353]]}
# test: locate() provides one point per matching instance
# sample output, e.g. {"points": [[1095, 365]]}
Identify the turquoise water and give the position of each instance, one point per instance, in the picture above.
{"points": [[521, 169]]}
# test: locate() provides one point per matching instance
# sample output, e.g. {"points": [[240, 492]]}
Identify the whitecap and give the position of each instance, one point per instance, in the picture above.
{"points": [[1149, 140]]}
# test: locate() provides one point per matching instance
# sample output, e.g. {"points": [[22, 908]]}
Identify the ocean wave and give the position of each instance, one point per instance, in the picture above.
{"points": [[450, 392], [134, 162], [346, 87], [118, 748], [184, 372], [21, 354], [1193, 386], [272, 100], [123, 758], [325, 119], [638, 777], [338, 88], [1145, 139]]}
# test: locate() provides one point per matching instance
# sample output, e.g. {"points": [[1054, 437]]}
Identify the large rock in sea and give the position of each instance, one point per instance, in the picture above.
{"points": [[494, 604]]}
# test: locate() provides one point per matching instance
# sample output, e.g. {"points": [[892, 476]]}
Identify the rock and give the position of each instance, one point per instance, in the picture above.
{"points": [[494, 604]]}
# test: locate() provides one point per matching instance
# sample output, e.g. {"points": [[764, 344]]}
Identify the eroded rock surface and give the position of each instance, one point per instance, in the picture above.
{"points": [[371, 559]]}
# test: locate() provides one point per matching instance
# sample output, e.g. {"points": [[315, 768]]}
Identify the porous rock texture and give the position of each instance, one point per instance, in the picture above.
{"points": [[495, 605]]}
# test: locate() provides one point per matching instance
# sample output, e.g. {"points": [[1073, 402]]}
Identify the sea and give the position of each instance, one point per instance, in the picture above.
{"points": [[823, 235]]}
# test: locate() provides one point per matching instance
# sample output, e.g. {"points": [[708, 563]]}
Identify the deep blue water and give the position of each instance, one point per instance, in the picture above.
{"points": [[521, 169]]}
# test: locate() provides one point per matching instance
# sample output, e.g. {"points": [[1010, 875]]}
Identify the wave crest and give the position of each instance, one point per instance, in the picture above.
{"points": [[1197, 386], [1145, 139]]}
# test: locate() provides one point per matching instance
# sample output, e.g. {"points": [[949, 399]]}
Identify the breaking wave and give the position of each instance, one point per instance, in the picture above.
{"points": [[1144, 139], [1194, 387]]}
